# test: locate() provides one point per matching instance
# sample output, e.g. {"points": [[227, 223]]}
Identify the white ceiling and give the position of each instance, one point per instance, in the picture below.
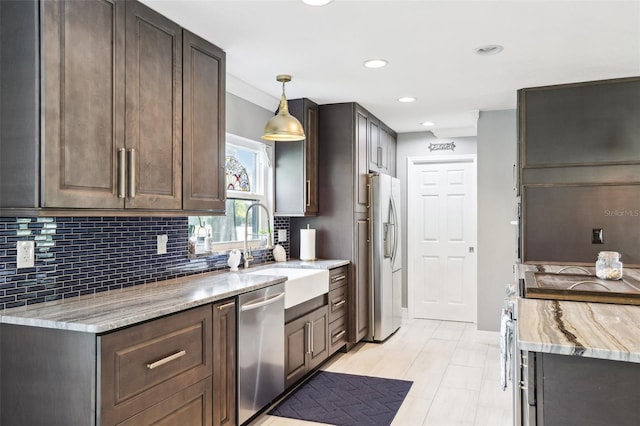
{"points": [[429, 45]]}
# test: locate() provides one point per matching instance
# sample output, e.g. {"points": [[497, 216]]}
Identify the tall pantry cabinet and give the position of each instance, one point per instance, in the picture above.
{"points": [[345, 138]]}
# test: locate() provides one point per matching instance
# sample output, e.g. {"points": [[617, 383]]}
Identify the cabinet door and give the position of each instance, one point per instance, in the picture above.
{"points": [[191, 406], [361, 160], [359, 298], [296, 174], [319, 320], [373, 144], [203, 121], [296, 346], [383, 148], [83, 103], [311, 158], [224, 364], [392, 146], [153, 108]]}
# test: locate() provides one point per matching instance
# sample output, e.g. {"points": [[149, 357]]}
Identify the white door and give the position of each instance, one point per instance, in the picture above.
{"points": [[442, 238]]}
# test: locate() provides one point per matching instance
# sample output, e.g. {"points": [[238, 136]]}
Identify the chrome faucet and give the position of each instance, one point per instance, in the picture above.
{"points": [[247, 250]]}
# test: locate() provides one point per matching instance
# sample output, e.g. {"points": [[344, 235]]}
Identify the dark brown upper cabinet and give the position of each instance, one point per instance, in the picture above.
{"points": [[153, 111], [388, 144], [580, 123], [381, 146], [203, 130], [101, 128], [83, 103], [296, 171]]}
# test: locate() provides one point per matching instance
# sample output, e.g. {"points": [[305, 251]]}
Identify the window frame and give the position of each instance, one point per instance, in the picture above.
{"points": [[264, 194]]}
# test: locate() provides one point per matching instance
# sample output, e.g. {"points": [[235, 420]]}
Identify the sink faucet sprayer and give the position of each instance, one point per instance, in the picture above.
{"points": [[247, 250]]}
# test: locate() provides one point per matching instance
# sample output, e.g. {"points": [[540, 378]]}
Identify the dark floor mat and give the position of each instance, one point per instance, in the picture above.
{"points": [[345, 400]]}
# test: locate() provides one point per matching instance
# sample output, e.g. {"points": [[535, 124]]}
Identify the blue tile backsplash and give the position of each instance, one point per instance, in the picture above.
{"points": [[83, 255]]}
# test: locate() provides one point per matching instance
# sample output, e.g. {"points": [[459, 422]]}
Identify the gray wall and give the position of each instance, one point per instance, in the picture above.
{"points": [[246, 119], [497, 203], [417, 145]]}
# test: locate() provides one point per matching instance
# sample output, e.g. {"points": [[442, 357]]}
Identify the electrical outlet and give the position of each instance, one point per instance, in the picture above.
{"points": [[25, 255], [162, 243], [282, 235], [597, 236]]}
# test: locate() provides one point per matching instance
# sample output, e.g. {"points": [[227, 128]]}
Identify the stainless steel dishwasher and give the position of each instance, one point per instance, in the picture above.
{"points": [[260, 349]]}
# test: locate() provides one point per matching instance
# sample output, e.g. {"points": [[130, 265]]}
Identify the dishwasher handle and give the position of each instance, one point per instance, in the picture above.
{"points": [[255, 305]]}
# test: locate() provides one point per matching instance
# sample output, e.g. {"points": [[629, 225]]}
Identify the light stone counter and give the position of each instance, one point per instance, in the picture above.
{"points": [[110, 310], [594, 330]]}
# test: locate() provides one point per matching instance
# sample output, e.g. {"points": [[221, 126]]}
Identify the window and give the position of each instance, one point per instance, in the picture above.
{"points": [[249, 180]]}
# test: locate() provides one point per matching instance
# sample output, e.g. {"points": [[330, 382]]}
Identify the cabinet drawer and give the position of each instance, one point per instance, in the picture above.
{"points": [[145, 364], [338, 277], [337, 334], [191, 406], [337, 303]]}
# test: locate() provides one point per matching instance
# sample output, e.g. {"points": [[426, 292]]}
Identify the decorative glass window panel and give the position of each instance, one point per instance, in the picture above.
{"points": [[237, 177]]}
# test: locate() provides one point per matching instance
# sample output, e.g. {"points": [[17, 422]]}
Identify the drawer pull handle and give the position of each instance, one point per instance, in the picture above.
{"points": [[226, 305], [338, 278], [339, 335], [340, 303], [165, 360]]}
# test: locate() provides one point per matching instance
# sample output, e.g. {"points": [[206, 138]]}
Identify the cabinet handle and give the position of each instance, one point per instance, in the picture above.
{"points": [[338, 278], [122, 173], [307, 326], [223, 192], [340, 303], [379, 156], [338, 336], [311, 338], [226, 305], [308, 193], [132, 173], [368, 195], [368, 230], [166, 359]]}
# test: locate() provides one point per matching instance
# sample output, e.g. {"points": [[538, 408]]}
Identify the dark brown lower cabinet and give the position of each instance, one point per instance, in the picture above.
{"points": [[175, 370], [224, 363], [143, 365], [306, 344], [574, 390], [339, 284]]}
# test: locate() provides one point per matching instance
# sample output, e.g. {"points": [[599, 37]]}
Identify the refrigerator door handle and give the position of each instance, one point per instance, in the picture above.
{"points": [[394, 213]]}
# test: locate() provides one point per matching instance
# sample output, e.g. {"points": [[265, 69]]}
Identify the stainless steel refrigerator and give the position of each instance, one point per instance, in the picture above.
{"points": [[386, 259]]}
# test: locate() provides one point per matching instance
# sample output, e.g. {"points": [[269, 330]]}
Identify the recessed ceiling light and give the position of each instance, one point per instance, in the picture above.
{"points": [[375, 63], [316, 2], [489, 49], [428, 123], [407, 99]]}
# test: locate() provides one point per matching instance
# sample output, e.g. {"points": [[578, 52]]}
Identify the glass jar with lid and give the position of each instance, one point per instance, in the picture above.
{"points": [[609, 266]]}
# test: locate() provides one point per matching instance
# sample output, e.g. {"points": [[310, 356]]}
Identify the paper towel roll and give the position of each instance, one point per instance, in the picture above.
{"points": [[307, 244]]}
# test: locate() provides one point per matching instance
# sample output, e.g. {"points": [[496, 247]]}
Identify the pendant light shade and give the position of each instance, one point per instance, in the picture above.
{"points": [[283, 126]]}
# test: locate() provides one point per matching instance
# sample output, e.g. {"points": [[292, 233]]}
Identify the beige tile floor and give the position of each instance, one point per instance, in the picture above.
{"points": [[455, 371]]}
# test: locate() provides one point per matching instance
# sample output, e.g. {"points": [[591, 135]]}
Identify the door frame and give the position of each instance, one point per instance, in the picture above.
{"points": [[412, 164]]}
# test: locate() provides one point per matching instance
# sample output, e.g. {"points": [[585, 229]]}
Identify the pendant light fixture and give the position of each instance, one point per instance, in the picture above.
{"points": [[283, 126]]}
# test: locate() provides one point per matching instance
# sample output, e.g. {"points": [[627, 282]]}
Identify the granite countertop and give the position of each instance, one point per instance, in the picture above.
{"points": [[110, 310], [594, 330]]}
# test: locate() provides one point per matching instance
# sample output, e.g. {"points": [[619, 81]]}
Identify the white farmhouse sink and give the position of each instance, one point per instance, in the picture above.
{"points": [[301, 284]]}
